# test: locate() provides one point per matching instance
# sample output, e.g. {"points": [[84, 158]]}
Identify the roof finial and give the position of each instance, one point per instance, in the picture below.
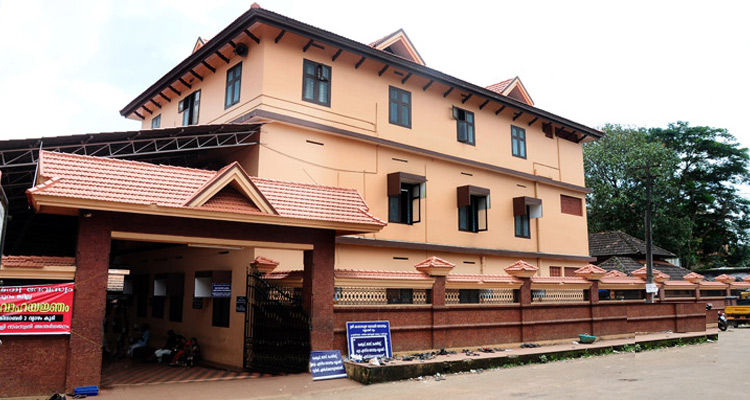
{"points": [[254, 6]]}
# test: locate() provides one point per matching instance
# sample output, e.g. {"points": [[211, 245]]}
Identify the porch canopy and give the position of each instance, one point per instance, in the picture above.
{"points": [[131, 200]]}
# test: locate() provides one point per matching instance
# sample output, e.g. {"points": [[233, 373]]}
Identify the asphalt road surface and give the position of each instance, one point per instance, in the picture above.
{"points": [[704, 371]]}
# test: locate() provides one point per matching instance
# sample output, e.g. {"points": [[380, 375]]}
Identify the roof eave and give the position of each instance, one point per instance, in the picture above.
{"points": [[299, 28]]}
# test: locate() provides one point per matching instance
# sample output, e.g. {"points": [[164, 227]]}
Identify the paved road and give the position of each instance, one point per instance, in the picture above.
{"points": [[704, 371]]}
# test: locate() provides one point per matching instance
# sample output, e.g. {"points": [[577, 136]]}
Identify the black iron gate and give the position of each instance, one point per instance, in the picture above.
{"points": [[277, 330]]}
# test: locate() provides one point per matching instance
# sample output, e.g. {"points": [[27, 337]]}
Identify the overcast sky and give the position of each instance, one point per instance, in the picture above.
{"points": [[68, 67]]}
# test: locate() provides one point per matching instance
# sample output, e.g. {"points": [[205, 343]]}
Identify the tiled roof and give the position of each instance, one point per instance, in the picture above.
{"points": [[380, 274], [483, 278], [500, 87], [615, 274], [725, 278], [521, 265], [628, 265], [132, 182], [641, 272], [435, 262], [680, 283], [559, 279], [264, 260], [692, 275], [590, 269], [711, 284], [617, 243], [37, 261]]}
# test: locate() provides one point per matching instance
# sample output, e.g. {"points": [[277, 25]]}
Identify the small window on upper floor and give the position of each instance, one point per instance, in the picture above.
{"points": [[399, 107], [189, 107], [525, 209], [464, 125], [232, 95], [404, 194], [518, 141], [555, 271], [473, 203], [156, 122], [570, 272], [316, 83]]}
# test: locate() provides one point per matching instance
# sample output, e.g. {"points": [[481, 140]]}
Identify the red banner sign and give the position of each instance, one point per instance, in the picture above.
{"points": [[36, 310]]}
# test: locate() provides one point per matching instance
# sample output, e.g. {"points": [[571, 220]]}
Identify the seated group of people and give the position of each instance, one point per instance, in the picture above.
{"points": [[177, 350]]}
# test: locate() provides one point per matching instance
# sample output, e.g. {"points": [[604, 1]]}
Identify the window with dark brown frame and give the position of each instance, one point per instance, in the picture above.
{"points": [[189, 107], [570, 272], [524, 209], [555, 271], [156, 122], [464, 125], [234, 79], [399, 107], [518, 141], [571, 205], [473, 203], [404, 194], [316, 83]]}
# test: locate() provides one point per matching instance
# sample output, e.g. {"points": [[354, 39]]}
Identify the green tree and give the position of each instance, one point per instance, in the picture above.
{"points": [[615, 172], [712, 164], [698, 212]]}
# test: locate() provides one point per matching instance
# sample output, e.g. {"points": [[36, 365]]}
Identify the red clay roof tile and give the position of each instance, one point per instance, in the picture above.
{"points": [[37, 261], [124, 181]]}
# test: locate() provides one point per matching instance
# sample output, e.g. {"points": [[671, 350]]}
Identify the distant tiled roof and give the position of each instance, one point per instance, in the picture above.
{"points": [[628, 265], [37, 261], [617, 243], [500, 87], [590, 269], [132, 182]]}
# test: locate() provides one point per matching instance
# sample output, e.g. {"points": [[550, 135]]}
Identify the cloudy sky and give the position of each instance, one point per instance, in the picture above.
{"points": [[68, 67]]}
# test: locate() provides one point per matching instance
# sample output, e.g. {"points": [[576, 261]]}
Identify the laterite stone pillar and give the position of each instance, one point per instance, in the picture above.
{"points": [[318, 290], [89, 301]]}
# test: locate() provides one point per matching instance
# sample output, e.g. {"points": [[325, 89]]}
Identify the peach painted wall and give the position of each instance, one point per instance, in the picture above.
{"points": [[218, 344]]}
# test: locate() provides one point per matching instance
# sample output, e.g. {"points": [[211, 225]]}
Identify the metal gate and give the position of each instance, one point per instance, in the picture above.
{"points": [[277, 330]]}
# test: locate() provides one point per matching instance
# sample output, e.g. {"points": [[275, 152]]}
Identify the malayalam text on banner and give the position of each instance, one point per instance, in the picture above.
{"points": [[36, 310]]}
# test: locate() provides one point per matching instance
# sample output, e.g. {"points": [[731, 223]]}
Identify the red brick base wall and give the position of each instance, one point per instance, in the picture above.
{"points": [[33, 365], [426, 327]]}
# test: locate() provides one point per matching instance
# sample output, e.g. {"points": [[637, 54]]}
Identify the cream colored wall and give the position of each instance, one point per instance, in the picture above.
{"points": [[218, 344], [213, 90], [285, 154]]}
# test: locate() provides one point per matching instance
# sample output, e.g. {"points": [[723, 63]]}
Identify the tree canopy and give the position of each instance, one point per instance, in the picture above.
{"points": [[698, 212]]}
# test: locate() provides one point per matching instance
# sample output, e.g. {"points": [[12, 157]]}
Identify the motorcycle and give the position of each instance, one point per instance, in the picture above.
{"points": [[722, 321], [722, 318]]}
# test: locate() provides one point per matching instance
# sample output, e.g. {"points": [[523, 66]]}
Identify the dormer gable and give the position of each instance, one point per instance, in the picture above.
{"points": [[399, 44], [198, 44], [512, 88], [232, 188]]}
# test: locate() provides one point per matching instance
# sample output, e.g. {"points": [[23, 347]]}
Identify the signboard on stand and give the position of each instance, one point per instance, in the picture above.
{"points": [[326, 365], [369, 339], [36, 310]]}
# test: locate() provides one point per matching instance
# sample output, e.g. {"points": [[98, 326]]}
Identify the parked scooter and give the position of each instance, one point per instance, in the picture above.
{"points": [[722, 318], [722, 321]]}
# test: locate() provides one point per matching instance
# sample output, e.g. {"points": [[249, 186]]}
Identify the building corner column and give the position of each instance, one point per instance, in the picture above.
{"points": [[318, 290], [92, 264]]}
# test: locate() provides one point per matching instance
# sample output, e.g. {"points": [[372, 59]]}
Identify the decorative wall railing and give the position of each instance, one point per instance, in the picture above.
{"points": [[556, 295], [481, 296], [364, 296]]}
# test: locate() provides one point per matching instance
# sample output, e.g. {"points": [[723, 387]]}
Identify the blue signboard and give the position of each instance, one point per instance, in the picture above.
{"points": [[326, 365], [369, 339], [221, 290]]}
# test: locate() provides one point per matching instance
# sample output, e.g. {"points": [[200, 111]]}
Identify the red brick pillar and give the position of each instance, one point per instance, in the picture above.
{"points": [[318, 290], [697, 293], [92, 263], [662, 294], [594, 292], [438, 312], [438, 291], [524, 292]]}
